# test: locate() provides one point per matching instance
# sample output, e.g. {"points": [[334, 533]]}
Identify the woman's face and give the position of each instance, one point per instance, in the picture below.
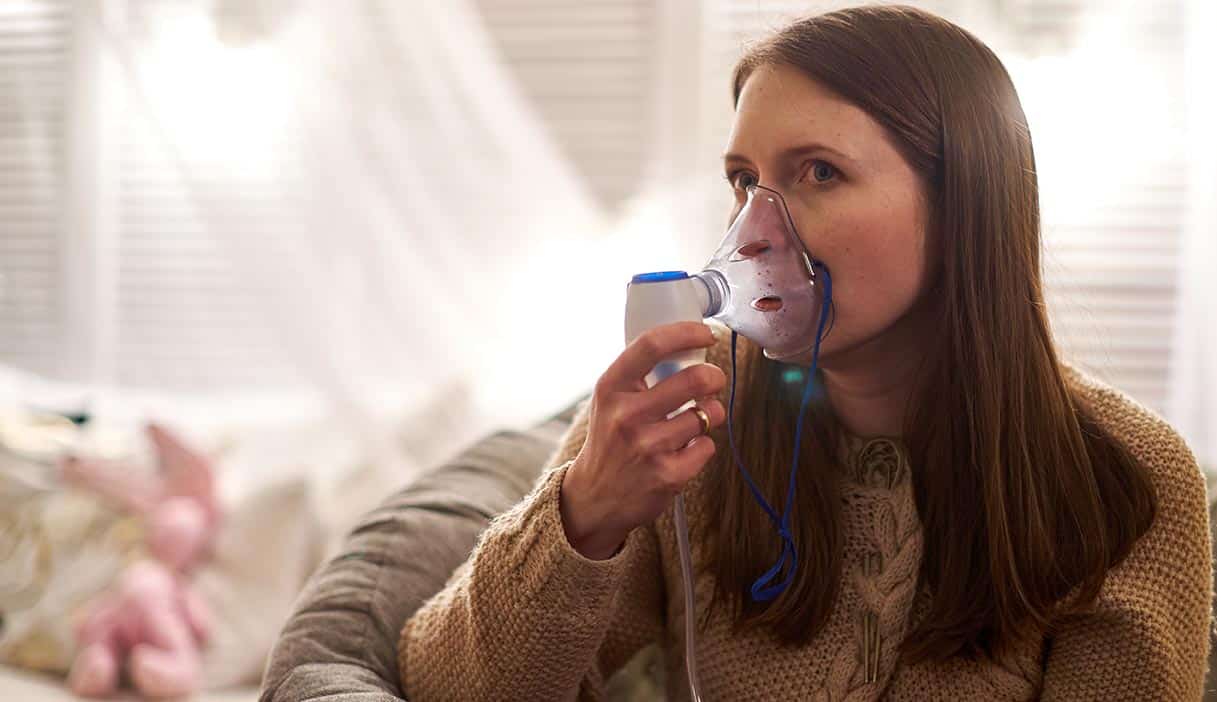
{"points": [[858, 206]]}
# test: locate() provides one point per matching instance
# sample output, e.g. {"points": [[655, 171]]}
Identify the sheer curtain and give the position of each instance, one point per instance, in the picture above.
{"points": [[302, 213], [384, 194], [1193, 399]]}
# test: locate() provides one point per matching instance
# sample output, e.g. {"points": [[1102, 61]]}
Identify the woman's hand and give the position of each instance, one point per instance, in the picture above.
{"points": [[635, 459]]}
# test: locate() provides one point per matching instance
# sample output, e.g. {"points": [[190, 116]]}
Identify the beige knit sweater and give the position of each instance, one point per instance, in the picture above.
{"points": [[528, 618]]}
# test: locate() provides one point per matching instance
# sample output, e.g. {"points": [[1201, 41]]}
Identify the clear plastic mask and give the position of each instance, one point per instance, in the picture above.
{"points": [[762, 281]]}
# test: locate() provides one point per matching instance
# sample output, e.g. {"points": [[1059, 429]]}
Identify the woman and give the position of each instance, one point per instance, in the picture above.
{"points": [[973, 520]]}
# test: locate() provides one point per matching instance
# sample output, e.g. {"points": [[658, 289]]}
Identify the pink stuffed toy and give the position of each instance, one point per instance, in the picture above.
{"points": [[150, 625]]}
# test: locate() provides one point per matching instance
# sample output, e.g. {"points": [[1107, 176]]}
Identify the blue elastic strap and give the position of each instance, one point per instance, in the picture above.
{"points": [[762, 590]]}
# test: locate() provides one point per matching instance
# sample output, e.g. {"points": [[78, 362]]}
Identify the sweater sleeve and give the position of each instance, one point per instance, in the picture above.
{"points": [[1148, 636], [527, 617]]}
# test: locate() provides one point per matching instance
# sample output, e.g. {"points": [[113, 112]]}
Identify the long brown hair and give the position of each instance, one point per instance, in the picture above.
{"points": [[1025, 500]]}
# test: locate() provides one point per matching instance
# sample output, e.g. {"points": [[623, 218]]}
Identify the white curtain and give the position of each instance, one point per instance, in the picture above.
{"points": [[372, 171], [1193, 406], [370, 189]]}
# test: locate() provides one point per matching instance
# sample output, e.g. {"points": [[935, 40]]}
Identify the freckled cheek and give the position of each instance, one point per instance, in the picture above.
{"points": [[876, 265], [894, 266]]}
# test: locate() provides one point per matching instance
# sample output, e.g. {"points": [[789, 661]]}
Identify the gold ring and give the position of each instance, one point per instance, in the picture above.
{"points": [[703, 417]]}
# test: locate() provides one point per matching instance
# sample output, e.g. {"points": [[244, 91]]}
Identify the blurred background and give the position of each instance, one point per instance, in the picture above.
{"points": [[369, 203], [332, 242]]}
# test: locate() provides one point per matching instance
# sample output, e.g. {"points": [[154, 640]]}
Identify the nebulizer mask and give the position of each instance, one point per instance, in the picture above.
{"points": [[764, 284]]}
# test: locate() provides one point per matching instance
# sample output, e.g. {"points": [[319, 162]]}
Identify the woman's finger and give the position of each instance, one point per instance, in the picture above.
{"points": [[701, 380], [679, 467], [651, 347], [675, 433]]}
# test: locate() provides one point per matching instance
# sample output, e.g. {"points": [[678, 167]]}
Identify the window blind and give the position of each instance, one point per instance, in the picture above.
{"points": [[587, 68], [186, 319], [1112, 176], [162, 307], [34, 54]]}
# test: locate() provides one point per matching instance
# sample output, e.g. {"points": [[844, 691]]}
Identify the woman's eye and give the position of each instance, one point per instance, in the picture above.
{"points": [[742, 180], [823, 172]]}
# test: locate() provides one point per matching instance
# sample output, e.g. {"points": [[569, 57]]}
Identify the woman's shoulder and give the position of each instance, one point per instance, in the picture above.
{"points": [[1154, 443], [1154, 607]]}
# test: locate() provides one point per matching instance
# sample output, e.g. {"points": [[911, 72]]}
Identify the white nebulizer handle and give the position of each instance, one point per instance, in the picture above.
{"points": [[655, 299]]}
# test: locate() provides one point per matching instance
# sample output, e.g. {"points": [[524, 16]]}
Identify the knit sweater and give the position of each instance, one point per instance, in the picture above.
{"points": [[529, 618]]}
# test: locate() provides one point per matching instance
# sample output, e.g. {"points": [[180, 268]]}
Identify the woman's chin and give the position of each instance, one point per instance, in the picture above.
{"points": [[799, 358], [830, 350]]}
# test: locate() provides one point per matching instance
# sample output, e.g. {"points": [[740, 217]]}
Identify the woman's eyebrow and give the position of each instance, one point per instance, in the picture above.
{"points": [[792, 153]]}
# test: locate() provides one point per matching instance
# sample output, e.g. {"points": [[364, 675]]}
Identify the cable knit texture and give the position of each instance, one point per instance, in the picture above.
{"points": [[528, 618]]}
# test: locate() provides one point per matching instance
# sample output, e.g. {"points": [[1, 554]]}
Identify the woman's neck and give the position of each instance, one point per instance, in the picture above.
{"points": [[870, 386], [868, 404]]}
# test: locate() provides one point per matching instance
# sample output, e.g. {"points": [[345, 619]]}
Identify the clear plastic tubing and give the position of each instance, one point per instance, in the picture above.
{"points": [[686, 575]]}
